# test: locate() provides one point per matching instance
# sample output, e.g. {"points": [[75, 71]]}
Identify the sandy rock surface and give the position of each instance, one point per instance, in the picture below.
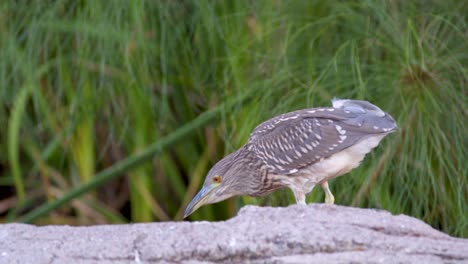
{"points": [[316, 233]]}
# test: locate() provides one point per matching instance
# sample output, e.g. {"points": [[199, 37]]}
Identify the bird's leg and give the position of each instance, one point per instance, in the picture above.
{"points": [[329, 198], [299, 195]]}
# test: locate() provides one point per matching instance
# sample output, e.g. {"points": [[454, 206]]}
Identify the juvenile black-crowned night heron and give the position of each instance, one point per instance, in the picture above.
{"points": [[298, 150]]}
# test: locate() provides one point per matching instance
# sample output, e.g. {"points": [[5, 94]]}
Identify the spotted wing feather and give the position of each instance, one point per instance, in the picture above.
{"points": [[294, 140]]}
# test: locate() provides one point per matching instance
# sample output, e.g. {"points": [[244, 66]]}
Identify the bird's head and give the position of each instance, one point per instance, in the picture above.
{"points": [[226, 179]]}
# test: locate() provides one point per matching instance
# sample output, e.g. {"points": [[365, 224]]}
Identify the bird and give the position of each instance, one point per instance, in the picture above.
{"points": [[298, 150]]}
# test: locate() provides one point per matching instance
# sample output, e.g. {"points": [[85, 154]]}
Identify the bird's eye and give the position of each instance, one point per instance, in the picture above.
{"points": [[217, 179]]}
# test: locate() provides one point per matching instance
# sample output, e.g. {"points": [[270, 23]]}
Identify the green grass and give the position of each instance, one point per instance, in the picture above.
{"points": [[105, 104]]}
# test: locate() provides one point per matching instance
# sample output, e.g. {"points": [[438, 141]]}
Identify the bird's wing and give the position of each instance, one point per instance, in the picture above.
{"points": [[295, 140]]}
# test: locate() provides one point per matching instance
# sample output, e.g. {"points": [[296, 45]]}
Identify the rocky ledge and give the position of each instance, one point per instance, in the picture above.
{"points": [[316, 233]]}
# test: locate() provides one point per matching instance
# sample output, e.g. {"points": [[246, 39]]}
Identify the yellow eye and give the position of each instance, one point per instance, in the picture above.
{"points": [[216, 179]]}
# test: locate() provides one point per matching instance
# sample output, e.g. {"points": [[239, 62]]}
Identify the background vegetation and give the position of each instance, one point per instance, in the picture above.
{"points": [[113, 111]]}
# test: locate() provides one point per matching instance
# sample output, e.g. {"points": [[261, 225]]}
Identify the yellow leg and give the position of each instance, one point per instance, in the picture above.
{"points": [[329, 198]]}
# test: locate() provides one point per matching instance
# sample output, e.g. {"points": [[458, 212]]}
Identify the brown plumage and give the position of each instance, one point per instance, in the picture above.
{"points": [[298, 150]]}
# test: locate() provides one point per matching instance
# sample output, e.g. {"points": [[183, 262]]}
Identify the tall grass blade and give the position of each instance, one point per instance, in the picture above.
{"points": [[137, 159], [14, 126]]}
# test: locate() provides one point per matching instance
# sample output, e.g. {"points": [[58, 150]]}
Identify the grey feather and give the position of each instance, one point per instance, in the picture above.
{"points": [[297, 139]]}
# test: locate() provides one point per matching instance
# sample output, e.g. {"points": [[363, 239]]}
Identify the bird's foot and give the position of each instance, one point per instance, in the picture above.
{"points": [[329, 198]]}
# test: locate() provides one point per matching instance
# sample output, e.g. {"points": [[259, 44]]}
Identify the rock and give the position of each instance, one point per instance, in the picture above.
{"points": [[316, 233]]}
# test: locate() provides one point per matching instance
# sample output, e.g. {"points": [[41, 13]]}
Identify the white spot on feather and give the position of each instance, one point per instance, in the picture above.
{"points": [[340, 130], [338, 103], [298, 153], [281, 146], [289, 117], [279, 167]]}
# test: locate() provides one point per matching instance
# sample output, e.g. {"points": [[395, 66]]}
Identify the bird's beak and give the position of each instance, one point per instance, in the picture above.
{"points": [[199, 200]]}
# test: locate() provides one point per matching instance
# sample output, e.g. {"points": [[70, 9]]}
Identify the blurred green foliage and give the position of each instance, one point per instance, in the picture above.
{"points": [[113, 111]]}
